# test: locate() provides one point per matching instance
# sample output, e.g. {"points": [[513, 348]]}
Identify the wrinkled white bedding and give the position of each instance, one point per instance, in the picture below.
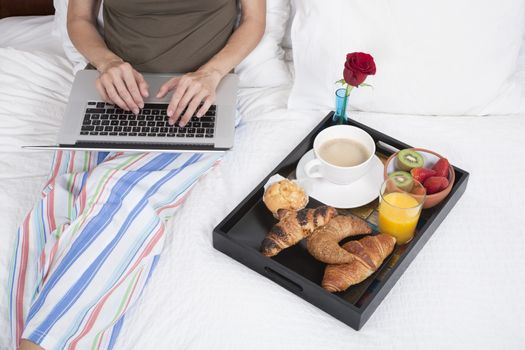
{"points": [[30, 33], [464, 290]]}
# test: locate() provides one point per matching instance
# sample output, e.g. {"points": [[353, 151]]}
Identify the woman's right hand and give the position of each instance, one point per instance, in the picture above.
{"points": [[121, 84]]}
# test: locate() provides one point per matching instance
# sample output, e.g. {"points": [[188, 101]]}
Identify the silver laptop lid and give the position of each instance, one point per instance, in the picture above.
{"points": [[84, 91]]}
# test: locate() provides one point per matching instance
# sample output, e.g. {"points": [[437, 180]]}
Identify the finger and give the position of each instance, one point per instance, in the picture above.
{"points": [[102, 91], [192, 107], [143, 84], [107, 83], [133, 88], [125, 95], [191, 92], [183, 103], [175, 99], [168, 86], [114, 96], [205, 106]]}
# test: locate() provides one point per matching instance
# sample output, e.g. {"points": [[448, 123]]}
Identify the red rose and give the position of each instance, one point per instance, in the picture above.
{"points": [[358, 66]]}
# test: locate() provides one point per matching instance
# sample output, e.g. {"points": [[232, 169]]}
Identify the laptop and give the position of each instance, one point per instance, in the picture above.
{"points": [[91, 124]]}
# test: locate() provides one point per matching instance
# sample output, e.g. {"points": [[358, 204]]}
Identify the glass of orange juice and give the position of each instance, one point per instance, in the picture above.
{"points": [[399, 210]]}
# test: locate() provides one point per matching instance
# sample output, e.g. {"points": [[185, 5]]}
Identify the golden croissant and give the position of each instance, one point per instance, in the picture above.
{"points": [[338, 278], [323, 243], [294, 226]]}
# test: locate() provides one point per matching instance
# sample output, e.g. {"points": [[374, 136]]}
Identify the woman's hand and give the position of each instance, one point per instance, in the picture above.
{"points": [[191, 90], [121, 84]]}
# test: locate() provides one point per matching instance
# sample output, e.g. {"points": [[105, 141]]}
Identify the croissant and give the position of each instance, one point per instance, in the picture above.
{"points": [[323, 244], [338, 278], [293, 227]]}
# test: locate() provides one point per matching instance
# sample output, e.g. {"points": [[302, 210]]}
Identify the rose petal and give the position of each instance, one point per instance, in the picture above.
{"points": [[357, 67]]}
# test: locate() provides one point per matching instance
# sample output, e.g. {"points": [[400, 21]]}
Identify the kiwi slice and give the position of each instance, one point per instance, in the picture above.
{"points": [[403, 180], [408, 159]]}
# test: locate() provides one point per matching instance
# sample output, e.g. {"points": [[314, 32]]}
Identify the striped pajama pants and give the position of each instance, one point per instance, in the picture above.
{"points": [[85, 252]]}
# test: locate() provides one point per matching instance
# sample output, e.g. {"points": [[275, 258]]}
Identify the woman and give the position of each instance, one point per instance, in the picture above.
{"points": [[87, 249]]}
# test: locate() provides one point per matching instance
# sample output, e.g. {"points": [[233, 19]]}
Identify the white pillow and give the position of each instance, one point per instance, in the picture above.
{"points": [[448, 57], [264, 66], [287, 39]]}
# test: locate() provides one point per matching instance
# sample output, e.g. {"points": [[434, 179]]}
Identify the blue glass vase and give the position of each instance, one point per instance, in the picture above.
{"points": [[341, 102]]}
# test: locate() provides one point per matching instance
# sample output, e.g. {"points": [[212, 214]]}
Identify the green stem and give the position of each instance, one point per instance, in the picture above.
{"points": [[347, 93]]}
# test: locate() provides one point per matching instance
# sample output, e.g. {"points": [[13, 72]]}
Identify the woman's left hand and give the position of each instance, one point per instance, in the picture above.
{"points": [[191, 90]]}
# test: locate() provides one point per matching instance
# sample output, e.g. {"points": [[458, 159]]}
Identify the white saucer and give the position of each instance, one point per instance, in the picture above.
{"points": [[354, 195]]}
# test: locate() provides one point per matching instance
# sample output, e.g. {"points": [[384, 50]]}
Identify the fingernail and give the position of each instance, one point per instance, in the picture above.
{"points": [[136, 110], [146, 94], [198, 115], [182, 124], [170, 112], [171, 122], [141, 105]]}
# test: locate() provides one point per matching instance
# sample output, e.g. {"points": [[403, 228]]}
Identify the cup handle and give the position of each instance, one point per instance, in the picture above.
{"points": [[311, 168]]}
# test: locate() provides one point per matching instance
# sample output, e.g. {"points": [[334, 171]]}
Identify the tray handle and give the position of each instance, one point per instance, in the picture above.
{"points": [[282, 280], [385, 146]]}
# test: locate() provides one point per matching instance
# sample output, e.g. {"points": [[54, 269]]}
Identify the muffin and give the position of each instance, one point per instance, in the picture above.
{"points": [[285, 194]]}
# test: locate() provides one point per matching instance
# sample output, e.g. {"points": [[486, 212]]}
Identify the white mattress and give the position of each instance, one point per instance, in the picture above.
{"points": [[464, 290]]}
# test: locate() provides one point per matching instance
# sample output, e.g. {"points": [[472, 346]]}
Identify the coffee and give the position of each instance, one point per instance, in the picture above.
{"points": [[343, 152]]}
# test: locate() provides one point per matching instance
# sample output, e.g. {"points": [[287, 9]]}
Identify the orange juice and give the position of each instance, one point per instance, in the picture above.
{"points": [[398, 216]]}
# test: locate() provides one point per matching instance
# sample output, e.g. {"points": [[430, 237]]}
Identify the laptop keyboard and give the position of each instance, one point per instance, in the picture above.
{"points": [[106, 119]]}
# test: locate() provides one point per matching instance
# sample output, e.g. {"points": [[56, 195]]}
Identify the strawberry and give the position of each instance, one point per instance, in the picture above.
{"points": [[441, 167], [435, 184], [418, 191], [421, 174]]}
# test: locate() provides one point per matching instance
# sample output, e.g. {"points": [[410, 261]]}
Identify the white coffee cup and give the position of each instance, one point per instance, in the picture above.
{"points": [[341, 175]]}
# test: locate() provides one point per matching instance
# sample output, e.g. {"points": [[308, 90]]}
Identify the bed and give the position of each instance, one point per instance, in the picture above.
{"points": [[464, 290]]}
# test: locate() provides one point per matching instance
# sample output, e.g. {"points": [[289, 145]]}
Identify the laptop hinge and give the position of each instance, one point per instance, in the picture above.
{"points": [[146, 146]]}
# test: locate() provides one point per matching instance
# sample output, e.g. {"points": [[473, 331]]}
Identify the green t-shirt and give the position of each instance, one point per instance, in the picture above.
{"points": [[168, 36]]}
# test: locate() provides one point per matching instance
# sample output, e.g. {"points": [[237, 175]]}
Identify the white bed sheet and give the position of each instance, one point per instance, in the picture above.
{"points": [[464, 290]]}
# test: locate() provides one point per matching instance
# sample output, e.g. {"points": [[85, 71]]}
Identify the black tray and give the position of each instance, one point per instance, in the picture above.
{"points": [[240, 235]]}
